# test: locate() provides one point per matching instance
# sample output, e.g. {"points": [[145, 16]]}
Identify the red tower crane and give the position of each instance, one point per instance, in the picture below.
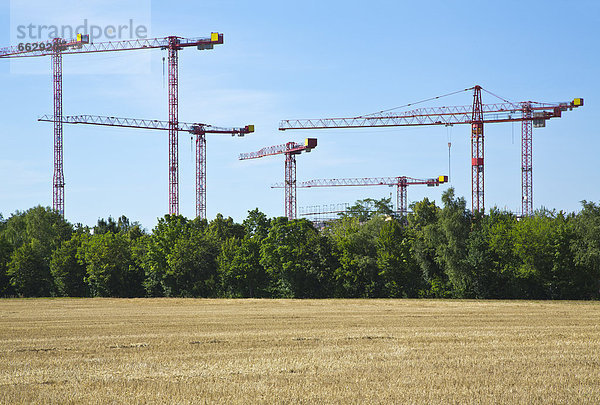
{"points": [[529, 113], [60, 46], [290, 150], [401, 183], [199, 130]]}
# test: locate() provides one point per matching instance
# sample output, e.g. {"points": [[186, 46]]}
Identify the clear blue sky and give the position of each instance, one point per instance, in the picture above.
{"points": [[306, 59]]}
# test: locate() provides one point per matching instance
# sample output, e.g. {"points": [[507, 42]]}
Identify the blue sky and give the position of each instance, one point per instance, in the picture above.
{"points": [[305, 59]]}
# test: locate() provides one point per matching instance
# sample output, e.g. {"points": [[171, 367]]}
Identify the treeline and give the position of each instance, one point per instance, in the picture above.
{"points": [[438, 252]]}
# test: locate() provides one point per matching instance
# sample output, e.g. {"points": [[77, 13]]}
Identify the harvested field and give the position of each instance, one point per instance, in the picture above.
{"points": [[298, 351]]}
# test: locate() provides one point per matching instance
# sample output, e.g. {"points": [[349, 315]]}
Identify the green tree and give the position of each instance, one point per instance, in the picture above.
{"points": [[567, 278], [586, 249], [29, 272], [123, 225], [68, 272], [427, 236], [366, 209], [355, 248], [534, 249], [15, 230], [33, 236], [240, 271], [454, 226], [5, 255], [192, 267], [105, 226], [110, 267], [222, 229], [179, 257], [256, 224], [490, 255], [398, 269], [152, 253], [292, 258], [43, 224]]}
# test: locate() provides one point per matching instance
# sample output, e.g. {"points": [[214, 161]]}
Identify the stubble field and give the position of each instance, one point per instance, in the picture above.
{"points": [[298, 351]]}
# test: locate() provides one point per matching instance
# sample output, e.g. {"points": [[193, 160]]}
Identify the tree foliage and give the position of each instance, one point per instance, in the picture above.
{"points": [[29, 270], [436, 251], [110, 268], [398, 268], [68, 271], [33, 235], [290, 256], [355, 248]]}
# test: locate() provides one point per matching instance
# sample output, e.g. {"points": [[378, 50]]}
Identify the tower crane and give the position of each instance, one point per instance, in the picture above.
{"points": [[290, 150], [59, 46], [401, 183], [196, 129], [529, 113]]}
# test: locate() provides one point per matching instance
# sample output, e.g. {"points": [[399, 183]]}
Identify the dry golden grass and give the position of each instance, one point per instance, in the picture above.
{"points": [[298, 351]]}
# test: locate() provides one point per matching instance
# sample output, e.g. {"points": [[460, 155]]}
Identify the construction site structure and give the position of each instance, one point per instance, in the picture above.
{"points": [[321, 215], [323, 209], [290, 150], [59, 46], [196, 129], [531, 114], [401, 183]]}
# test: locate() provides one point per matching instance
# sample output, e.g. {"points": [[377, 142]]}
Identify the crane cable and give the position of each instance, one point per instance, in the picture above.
{"points": [[446, 95], [521, 102], [497, 96], [417, 102], [512, 124]]}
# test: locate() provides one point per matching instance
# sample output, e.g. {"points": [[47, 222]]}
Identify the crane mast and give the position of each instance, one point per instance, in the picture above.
{"points": [[527, 160], [173, 63], [58, 177], [477, 183]]}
